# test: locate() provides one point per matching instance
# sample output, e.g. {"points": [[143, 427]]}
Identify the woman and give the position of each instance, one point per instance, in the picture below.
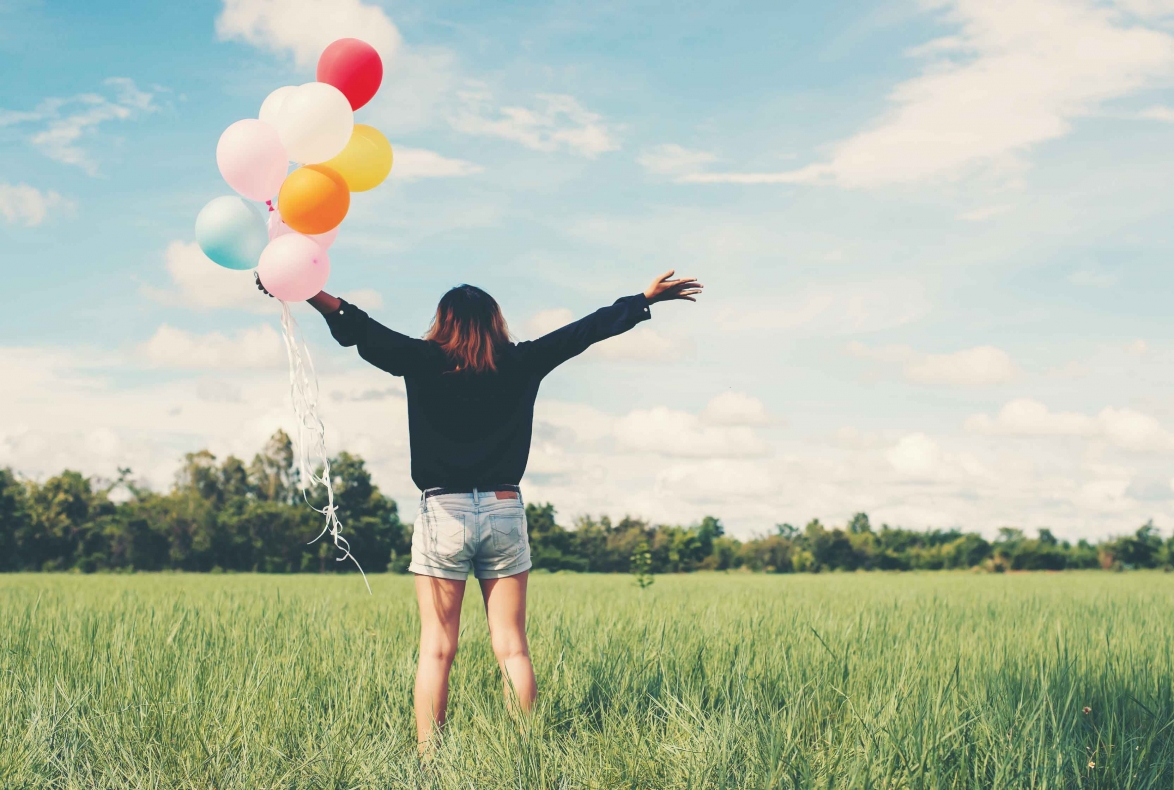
{"points": [[471, 399]]}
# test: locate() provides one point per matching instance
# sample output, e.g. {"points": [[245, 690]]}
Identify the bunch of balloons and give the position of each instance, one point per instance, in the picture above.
{"points": [[312, 125]]}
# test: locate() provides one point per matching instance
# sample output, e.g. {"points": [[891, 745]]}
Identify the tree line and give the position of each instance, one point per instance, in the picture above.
{"points": [[231, 516]]}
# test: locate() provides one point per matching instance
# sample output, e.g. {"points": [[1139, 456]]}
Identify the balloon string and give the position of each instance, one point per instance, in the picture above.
{"points": [[311, 434]]}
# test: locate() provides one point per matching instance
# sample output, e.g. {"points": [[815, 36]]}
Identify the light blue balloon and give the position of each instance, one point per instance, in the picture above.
{"points": [[231, 231]]}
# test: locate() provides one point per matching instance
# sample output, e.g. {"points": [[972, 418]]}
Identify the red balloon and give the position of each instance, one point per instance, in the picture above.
{"points": [[353, 67]]}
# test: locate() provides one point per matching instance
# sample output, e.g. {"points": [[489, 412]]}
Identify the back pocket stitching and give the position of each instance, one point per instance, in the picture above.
{"points": [[435, 530], [514, 545]]}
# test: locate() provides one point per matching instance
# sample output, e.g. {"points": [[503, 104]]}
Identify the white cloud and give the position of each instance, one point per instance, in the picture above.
{"points": [[671, 159], [200, 284], [984, 213], [1094, 277], [21, 203], [735, 408], [257, 347], [916, 456], [664, 431], [303, 28], [983, 365], [68, 121], [546, 321], [804, 175], [714, 482], [558, 122], [1026, 417], [1157, 113], [12, 117], [725, 430], [1149, 9], [75, 409], [63, 409], [642, 344], [1133, 430], [1123, 428], [1016, 73], [869, 307], [414, 163]]}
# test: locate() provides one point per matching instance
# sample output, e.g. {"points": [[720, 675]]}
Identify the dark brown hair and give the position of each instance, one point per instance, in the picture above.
{"points": [[470, 328]]}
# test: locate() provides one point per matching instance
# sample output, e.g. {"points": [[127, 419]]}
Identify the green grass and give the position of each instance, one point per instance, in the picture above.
{"points": [[706, 680]]}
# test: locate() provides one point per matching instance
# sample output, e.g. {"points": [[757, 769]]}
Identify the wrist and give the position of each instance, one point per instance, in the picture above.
{"points": [[324, 303]]}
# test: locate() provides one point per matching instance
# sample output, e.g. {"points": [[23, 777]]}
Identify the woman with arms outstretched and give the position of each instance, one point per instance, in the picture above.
{"points": [[471, 395]]}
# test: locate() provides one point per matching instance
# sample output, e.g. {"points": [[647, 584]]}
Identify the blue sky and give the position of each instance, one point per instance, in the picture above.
{"points": [[935, 237]]}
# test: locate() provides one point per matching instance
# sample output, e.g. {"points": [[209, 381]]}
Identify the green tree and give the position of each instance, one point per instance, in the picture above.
{"points": [[16, 529], [370, 520], [272, 474]]}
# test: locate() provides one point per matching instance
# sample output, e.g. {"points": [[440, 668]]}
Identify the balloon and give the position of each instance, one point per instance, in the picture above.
{"points": [[313, 199], [293, 268], [271, 107], [352, 66], [365, 161], [278, 228], [315, 122], [252, 159], [231, 232]]}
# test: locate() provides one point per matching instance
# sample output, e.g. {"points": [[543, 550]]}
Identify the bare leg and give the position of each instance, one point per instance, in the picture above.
{"points": [[505, 606], [440, 621]]}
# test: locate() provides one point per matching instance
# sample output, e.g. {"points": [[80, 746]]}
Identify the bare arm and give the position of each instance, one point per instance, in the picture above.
{"points": [[324, 303]]}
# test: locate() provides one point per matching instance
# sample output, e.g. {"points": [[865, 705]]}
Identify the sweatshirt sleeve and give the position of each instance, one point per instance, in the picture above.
{"points": [[549, 351], [387, 350]]}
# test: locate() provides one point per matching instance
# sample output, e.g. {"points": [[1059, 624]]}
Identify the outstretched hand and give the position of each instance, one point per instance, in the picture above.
{"points": [[664, 289]]}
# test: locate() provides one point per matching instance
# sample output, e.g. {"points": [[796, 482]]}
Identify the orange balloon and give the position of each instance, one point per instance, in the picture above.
{"points": [[313, 199]]}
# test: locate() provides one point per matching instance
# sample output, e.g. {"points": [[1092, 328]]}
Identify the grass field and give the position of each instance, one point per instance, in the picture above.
{"points": [[707, 680]]}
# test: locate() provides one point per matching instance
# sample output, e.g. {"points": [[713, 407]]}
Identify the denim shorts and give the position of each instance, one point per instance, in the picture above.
{"points": [[478, 532]]}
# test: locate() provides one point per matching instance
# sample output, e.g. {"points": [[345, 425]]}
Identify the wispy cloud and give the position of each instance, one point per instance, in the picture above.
{"points": [[303, 28], [868, 307], [671, 159], [1124, 428], [258, 347], [28, 206], [198, 283], [1016, 74], [414, 163], [1157, 113], [979, 366], [983, 213], [556, 122], [66, 122]]}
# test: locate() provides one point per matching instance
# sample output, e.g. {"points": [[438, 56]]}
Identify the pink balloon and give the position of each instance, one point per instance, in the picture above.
{"points": [[277, 227], [252, 159], [293, 268]]}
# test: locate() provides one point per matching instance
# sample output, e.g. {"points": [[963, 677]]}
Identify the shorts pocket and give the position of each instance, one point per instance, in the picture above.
{"points": [[446, 533], [509, 535]]}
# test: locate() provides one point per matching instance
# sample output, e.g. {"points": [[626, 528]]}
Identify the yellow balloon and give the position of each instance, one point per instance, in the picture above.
{"points": [[365, 161]]}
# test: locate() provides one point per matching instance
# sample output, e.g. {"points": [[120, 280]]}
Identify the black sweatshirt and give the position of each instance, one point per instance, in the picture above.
{"points": [[472, 429]]}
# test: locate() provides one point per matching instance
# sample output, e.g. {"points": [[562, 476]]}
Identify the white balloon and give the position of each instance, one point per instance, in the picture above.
{"points": [[271, 107], [315, 122]]}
